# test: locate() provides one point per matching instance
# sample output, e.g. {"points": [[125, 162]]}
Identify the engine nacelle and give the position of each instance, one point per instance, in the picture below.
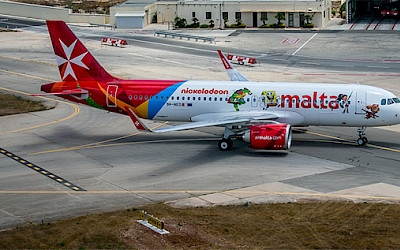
{"points": [[269, 136]]}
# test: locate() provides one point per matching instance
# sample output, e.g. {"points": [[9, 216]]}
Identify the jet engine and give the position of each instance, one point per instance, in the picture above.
{"points": [[269, 136]]}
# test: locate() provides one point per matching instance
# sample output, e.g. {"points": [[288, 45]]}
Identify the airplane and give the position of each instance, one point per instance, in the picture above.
{"points": [[259, 113]]}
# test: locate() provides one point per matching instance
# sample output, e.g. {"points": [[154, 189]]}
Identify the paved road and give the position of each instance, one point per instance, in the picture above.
{"points": [[78, 146]]}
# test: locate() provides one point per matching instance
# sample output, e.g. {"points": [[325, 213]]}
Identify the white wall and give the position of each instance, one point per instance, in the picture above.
{"points": [[184, 9], [34, 11], [49, 13]]}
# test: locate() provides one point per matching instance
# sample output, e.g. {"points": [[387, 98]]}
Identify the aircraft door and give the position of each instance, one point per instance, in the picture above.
{"points": [[254, 101], [361, 102], [111, 96]]}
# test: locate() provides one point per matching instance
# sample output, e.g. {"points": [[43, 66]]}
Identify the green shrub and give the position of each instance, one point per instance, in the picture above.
{"points": [[242, 25], [204, 26], [309, 25], [273, 25]]}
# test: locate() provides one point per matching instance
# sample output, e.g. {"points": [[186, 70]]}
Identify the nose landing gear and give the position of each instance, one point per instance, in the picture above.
{"points": [[362, 140]]}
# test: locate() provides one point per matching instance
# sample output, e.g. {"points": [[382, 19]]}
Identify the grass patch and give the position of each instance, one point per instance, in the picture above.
{"points": [[296, 225], [10, 104]]}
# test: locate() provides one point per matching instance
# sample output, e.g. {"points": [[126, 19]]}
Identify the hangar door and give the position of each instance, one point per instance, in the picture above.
{"points": [[129, 20]]}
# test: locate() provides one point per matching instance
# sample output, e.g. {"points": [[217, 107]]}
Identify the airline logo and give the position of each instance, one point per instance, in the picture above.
{"points": [[204, 91], [68, 60]]}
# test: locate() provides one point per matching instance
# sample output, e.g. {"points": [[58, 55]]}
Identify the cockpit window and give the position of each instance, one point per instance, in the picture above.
{"points": [[383, 102], [396, 100], [390, 101]]}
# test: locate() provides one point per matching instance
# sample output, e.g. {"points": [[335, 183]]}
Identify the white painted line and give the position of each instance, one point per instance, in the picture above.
{"points": [[310, 63], [381, 67], [304, 44]]}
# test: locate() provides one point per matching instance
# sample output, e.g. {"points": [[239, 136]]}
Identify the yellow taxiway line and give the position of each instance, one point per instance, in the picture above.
{"points": [[76, 112]]}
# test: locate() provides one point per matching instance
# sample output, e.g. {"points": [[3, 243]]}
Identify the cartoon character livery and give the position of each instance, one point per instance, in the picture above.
{"points": [[271, 99], [371, 111], [209, 103], [238, 97]]}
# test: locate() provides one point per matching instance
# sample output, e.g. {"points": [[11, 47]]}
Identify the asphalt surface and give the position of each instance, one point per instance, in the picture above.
{"points": [[119, 167]]}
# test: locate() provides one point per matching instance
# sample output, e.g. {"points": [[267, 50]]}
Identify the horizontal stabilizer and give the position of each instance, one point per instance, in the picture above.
{"points": [[67, 92]]}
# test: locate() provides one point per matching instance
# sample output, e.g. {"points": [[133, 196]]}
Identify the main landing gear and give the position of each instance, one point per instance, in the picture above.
{"points": [[362, 140], [225, 144]]}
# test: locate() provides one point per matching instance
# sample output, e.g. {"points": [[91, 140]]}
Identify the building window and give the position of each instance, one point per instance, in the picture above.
{"points": [[238, 15], [225, 15], [193, 14], [264, 15], [208, 15]]}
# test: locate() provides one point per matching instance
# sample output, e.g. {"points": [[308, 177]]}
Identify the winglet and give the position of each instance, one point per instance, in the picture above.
{"points": [[233, 74], [136, 121], [225, 61]]}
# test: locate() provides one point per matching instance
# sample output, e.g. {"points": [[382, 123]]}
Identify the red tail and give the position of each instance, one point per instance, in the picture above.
{"points": [[73, 59]]}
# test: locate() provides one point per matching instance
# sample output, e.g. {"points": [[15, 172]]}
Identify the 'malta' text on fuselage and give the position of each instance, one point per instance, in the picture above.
{"points": [[308, 102]]}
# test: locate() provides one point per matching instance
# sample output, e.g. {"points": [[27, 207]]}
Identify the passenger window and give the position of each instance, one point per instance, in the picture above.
{"points": [[396, 100], [205, 98], [145, 97], [177, 98], [390, 101], [215, 99], [140, 97], [210, 99], [135, 97], [199, 98], [183, 98], [156, 97], [172, 98], [383, 102], [220, 99]]}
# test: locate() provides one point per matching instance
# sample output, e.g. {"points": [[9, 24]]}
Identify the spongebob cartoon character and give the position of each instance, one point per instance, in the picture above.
{"points": [[371, 111], [238, 97], [270, 98]]}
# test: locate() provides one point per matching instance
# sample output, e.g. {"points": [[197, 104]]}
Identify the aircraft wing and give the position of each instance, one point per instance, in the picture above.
{"points": [[67, 92], [233, 74], [217, 119]]}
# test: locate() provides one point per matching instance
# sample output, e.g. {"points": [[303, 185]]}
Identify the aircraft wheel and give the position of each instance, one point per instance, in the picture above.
{"points": [[225, 144], [362, 141]]}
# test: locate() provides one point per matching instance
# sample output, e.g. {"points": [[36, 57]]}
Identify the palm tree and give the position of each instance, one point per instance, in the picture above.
{"points": [[225, 21], [308, 18], [280, 16], [211, 23], [195, 22], [263, 19]]}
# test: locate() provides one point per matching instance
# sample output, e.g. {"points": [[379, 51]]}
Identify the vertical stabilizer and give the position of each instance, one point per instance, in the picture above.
{"points": [[74, 61]]}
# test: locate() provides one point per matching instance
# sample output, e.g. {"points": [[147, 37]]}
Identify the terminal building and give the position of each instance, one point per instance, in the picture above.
{"points": [[253, 13]]}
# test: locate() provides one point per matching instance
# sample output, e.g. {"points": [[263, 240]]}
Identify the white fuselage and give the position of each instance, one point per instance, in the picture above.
{"points": [[299, 104]]}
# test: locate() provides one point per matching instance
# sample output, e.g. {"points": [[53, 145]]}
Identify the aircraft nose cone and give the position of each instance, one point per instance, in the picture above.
{"points": [[47, 87]]}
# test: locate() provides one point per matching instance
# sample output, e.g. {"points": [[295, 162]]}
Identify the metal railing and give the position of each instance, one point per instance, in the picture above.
{"points": [[205, 39], [102, 25]]}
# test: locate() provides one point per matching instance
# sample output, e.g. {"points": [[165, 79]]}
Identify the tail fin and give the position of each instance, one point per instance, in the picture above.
{"points": [[233, 74], [73, 59]]}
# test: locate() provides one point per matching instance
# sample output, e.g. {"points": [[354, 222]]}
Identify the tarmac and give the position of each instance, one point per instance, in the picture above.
{"points": [[114, 166]]}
